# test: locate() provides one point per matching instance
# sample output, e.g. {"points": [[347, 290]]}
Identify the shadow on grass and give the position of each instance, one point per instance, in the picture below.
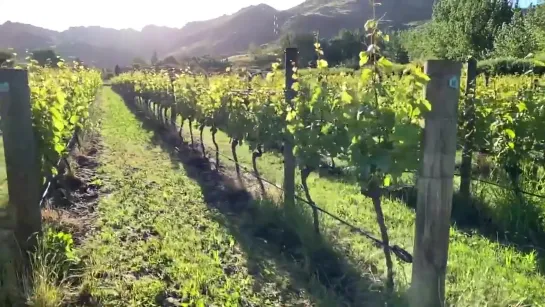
{"points": [[498, 224], [268, 232]]}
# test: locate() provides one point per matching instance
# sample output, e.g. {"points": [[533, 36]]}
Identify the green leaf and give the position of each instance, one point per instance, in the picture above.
{"points": [[58, 148], [387, 180], [510, 133], [345, 97], [355, 140], [366, 75], [55, 113], [427, 104], [291, 116], [521, 106], [291, 128], [74, 119], [322, 64], [296, 150], [386, 64], [58, 124], [364, 58], [326, 128], [370, 24], [418, 74], [422, 123]]}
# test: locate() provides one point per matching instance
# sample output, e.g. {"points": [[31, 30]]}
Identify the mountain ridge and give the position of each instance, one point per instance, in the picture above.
{"points": [[224, 35]]}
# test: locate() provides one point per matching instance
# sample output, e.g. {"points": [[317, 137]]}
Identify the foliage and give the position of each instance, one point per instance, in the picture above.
{"points": [[462, 28], [516, 38], [139, 62], [510, 66], [117, 70], [46, 57], [395, 50], [5, 57], [60, 100], [154, 58], [170, 60], [535, 20], [458, 29], [61, 245]]}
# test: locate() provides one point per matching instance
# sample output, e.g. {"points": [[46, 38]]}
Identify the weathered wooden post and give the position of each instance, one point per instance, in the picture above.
{"points": [[469, 132], [435, 185], [22, 158], [173, 107], [289, 158]]}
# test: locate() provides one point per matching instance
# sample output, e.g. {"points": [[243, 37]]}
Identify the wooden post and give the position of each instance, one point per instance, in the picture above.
{"points": [[173, 114], [435, 185], [289, 158], [22, 158], [469, 132]]}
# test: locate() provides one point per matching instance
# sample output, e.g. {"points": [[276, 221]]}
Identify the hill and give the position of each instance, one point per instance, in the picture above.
{"points": [[222, 36]]}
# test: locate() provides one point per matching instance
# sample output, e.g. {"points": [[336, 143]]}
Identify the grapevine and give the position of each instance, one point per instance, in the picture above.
{"points": [[372, 120], [60, 100]]}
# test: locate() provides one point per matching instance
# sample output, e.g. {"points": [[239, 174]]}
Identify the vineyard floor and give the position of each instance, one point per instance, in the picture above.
{"points": [[170, 230], [161, 240]]}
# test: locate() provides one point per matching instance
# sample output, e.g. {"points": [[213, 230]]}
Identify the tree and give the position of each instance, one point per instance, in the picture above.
{"points": [[170, 60], [461, 28], [5, 56], [535, 20], [139, 63], [515, 39], [254, 50], [395, 50], [117, 70], [154, 58], [304, 42], [46, 57]]}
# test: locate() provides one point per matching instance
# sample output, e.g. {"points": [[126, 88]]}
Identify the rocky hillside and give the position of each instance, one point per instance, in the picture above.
{"points": [[225, 35]]}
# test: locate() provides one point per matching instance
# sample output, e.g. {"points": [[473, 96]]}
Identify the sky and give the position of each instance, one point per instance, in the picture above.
{"points": [[120, 14]]}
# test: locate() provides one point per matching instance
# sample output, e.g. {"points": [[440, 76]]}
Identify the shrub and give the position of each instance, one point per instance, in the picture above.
{"points": [[510, 66]]}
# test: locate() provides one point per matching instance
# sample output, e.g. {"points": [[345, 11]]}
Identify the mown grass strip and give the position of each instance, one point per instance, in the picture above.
{"points": [[157, 241]]}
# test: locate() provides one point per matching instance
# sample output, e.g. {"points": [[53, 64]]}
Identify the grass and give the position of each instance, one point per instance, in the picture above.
{"points": [[157, 240]]}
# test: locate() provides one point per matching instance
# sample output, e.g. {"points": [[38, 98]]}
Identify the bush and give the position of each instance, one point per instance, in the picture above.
{"points": [[510, 66]]}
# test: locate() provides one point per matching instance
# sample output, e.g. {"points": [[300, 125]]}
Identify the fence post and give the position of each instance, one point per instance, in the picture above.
{"points": [[289, 158], [469, 132], [435, 185], [173, 107], [22, 158]]}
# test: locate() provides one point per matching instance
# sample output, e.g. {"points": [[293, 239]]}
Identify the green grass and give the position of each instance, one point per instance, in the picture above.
{"points": [[158, 241], [480, 272]]}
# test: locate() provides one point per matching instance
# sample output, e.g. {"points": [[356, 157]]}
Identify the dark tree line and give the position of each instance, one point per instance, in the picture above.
{"points": [[343, 49]]}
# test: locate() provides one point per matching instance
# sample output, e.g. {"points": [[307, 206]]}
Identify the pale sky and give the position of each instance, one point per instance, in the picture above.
{"points": [[61, 14]]}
